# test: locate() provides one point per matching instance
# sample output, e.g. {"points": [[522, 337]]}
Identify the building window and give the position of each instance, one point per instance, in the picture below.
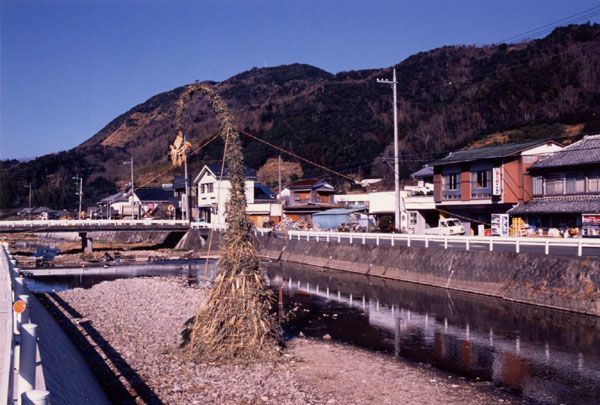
{"points": [[210, 187], [593, 182], [481, 184], [538, 185], [412, 218], [554, 184], [451, 186], [575, 183]]}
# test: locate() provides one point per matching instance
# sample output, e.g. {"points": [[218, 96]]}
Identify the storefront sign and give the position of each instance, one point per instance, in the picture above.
{"points": [[497, 181]]}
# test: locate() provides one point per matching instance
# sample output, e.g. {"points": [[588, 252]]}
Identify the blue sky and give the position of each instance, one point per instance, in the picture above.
{"points": [[68, 67]]}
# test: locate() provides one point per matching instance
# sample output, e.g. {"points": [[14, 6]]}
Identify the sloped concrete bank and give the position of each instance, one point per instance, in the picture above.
{"points": [[568, 283], [154, 237]]}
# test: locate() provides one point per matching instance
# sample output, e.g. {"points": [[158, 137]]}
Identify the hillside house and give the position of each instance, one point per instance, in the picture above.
{"points": [[302, 198], [213, 191], [149, 202], [418, 203], [566, 190], [476, 183]]}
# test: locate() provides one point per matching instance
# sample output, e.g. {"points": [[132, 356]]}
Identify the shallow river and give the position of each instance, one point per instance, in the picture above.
{"points": [[546, 355]]}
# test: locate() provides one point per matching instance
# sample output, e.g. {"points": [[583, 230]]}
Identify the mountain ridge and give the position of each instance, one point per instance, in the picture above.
{"points": [[448, 98]]}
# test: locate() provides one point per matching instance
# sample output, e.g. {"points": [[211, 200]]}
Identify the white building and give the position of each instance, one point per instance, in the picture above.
{"points": [[214, 191]]}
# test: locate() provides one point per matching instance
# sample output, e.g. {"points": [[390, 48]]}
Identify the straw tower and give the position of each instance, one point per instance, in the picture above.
{"points": [[235, 324]]}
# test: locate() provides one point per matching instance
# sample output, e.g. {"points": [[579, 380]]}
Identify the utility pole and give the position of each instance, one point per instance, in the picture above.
{"points": [[132, 188], [279, 195], [29, 186], [187, 191], [80, 193], [393, 83]]}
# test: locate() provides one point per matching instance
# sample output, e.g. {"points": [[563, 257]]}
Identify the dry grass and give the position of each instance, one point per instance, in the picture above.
{"points": [[235, 324]]}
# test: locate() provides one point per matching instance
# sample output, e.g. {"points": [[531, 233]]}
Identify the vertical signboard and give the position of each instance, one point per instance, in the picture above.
{"points": [[497, 181], [500, 226]]}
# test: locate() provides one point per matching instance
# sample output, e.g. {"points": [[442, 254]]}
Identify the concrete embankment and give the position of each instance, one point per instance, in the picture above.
{"points": [[166, 238], [568, 283]]}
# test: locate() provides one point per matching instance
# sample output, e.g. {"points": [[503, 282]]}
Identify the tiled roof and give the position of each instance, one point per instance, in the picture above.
{"points": [[262, 192], [113, 197], [153, 194], [559, 205], [340, 211], [216, 169], [304, 183], [584, 152], [426, 171], [489, 152]]}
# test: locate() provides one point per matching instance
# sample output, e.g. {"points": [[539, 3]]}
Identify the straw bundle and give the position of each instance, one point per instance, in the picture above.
{"points": [[236, 323]]}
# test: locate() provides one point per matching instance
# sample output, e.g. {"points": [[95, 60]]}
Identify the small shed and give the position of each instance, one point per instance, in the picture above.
{"points": [[333, 218]]}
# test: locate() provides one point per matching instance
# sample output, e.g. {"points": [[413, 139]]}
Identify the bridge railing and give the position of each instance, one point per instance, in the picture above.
{"points": [[90, 222], [464, 241], [6, 327], [21, 374]]}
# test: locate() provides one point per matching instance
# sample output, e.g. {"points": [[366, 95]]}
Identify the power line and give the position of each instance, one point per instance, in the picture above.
{"points": [[582, 15]]}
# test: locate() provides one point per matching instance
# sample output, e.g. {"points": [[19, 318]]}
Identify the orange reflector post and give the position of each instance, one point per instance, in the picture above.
{"points": [[19, 306]]}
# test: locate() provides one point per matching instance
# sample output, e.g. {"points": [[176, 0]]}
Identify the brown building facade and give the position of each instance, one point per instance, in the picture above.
{"points": [[476, 183]]}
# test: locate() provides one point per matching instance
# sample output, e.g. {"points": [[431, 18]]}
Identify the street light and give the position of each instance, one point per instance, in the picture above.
{"points": [[132, 188], [393, 83]]}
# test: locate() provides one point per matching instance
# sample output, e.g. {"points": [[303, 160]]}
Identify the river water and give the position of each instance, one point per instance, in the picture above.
{"points": [[546, 355]]}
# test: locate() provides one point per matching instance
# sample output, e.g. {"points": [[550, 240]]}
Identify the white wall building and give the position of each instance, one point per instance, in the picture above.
{"points": [[214, 191]]}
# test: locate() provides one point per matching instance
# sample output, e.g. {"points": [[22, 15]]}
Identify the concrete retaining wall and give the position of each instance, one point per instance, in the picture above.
{"points": [[569, 283]]}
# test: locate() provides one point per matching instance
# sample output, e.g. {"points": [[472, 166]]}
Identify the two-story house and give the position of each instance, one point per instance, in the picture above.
{"points": [[476, 183], [302, 198], [213, 189], [566, 190]]}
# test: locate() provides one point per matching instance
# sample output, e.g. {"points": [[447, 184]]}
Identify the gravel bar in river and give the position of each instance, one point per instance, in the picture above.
{"points": [[135, 325]]}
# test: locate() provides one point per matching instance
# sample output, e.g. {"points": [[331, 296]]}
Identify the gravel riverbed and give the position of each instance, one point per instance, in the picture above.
{"points": [[135, 324]]}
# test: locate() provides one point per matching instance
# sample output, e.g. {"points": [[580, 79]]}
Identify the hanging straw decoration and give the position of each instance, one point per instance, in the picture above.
{"points": [[236, 323]]}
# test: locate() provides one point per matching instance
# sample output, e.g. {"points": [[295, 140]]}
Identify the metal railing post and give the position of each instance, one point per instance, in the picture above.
{"points": [[351, 238], [579, 248], [393, 239], [408, 241], [517, 247], [364, 239], [27, 358], [377, 240], [35, 397], [547, 247], [467, 244], [491, 245], [25, 314], [445, 243], [19, 286], [426, 241]]}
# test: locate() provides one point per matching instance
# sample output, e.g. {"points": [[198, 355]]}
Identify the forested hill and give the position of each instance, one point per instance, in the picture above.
{"points": [[449, 98]]}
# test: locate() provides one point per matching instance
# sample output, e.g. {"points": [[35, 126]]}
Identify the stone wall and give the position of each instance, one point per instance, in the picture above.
{"points": [[569, 283]]}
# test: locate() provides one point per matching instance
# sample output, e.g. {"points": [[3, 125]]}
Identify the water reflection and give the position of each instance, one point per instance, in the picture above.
{"points": [[547, 355], [550, 356]]}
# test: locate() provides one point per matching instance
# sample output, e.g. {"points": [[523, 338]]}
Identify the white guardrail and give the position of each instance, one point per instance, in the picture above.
{"points": [[108, 222], [21, 377], [91, 222], [466, 241]]}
